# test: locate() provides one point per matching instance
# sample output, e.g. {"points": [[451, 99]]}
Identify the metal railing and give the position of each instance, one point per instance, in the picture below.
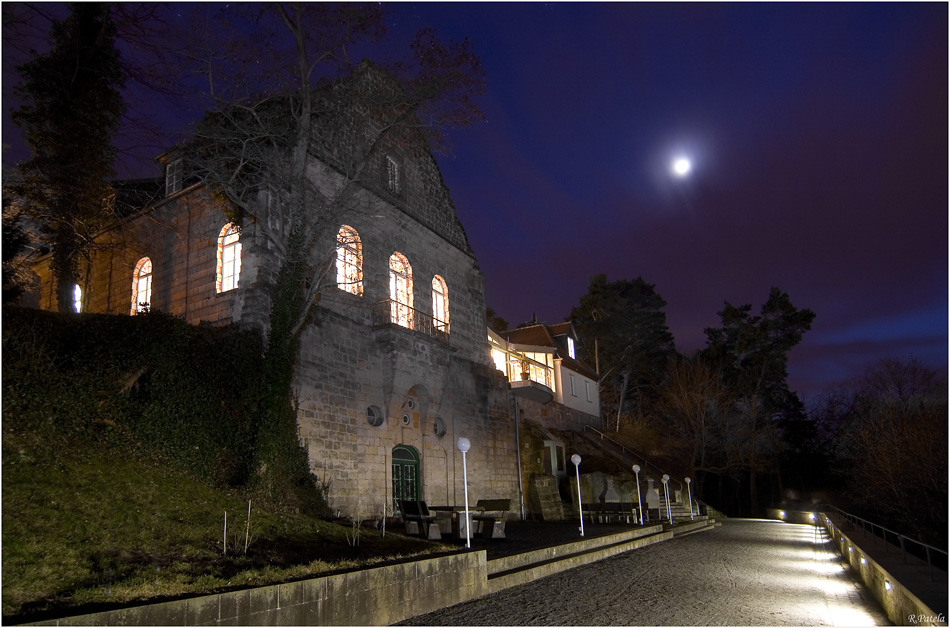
{"points": [[635, 454], [902, 540], [389, 313]]}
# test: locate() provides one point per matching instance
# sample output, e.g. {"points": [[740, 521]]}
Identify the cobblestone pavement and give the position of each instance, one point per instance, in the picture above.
{"points": [[744, 573]]}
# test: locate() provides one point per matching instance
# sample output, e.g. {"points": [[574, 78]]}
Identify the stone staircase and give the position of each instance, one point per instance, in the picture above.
{"points": [[679, 508]]}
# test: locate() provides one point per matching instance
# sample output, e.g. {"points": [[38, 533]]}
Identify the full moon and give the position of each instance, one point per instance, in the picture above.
{"points": [[681, 166]]}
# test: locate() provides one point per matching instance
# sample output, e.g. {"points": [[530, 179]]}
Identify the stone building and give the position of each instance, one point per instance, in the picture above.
{"points": [[394, 366]]}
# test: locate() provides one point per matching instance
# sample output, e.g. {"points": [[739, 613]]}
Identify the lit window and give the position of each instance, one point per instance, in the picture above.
{"points": [[539, 368], [229, 258], [570, 347], [349, 261], [142, 286], [440, 304], [173, 177], [400, 290], [500, 360], [77, 298], [392, 175]]}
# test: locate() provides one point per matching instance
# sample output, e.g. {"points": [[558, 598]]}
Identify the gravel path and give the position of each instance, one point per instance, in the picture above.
{"points": [[744, 573]]}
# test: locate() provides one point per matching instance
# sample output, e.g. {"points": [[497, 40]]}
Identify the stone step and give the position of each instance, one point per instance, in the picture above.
{"points": [[507, 571]]}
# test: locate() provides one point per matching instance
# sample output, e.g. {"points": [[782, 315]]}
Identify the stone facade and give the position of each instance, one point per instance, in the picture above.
{"points": [[179, 235], [364, 385]]}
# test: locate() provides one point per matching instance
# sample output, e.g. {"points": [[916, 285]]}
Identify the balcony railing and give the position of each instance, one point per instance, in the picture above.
{"points": [[390, 313]]}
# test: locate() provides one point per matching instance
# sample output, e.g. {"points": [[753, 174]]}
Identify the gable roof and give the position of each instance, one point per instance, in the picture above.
{"points": [[541, 335]]}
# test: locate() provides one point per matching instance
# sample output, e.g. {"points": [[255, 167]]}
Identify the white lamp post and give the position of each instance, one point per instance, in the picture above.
{"points": [[464, 445], [690, 491], [580, 508], [636, 470], [666, 491]]}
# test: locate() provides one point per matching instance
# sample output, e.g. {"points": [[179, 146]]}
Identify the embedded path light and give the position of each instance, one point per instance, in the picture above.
{"points": [[636, 470], [464, 445], [690, 491], [666, 491], [580, 508]]}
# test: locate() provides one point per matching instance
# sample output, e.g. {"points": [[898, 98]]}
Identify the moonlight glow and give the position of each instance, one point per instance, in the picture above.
{"points": [[681, 166]]}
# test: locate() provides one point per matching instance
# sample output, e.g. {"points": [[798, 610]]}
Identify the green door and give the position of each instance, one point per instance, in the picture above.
{"points": [[405, 474]]}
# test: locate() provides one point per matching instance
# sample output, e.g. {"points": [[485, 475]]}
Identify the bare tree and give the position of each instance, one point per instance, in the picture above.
{"points": [[273, 148], [893, 444]]}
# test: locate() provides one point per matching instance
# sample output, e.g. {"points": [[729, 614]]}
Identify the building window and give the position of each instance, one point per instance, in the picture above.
{"points": [[229, 258], [393, 175], [570, 348], [173, 176], [500, 359], [142, 286], [349, 261], [400, 290], [572, 386], [587, 388], [77, 298], [440, 304], [539, 368]]}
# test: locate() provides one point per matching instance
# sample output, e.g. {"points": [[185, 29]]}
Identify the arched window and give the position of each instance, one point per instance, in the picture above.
{"points": [[142, 286], [77, 298], [349, 261], [440, 304], [229, 258], [400, 290]]}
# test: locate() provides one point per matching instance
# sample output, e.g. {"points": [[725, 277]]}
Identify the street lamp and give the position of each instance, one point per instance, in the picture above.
{"points": [[464, 445], [666, 491], [636, 470], [690, 491], [580, 508]]}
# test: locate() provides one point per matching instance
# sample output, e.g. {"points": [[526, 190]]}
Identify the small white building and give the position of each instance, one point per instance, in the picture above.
{"points": [[545, 357]]}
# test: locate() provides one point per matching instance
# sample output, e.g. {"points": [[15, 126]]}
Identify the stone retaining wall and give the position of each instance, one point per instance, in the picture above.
{"points": [[897, 601], [370, 597]]}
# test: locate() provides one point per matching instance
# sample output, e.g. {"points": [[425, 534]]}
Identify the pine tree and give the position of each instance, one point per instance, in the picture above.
{"points": [[634, 343], [73, 109]]}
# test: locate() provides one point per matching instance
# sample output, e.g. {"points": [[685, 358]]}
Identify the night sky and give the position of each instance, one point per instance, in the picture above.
{"points": [[819, 142]]}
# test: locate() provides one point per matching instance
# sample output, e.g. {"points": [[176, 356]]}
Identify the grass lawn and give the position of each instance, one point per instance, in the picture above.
{"points": [[92, 528]]}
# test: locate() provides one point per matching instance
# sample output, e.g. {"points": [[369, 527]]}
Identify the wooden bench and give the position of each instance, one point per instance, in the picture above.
{"points": [[493, 513], [417, 518], [604, 511]]}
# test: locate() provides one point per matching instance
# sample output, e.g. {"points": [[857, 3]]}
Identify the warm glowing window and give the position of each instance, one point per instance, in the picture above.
{"points": [[77, 298], [570, 347], [142, 286], [540, 368], [349, 261], [400, 290], [393, 175], [229, 258], [501, 361], [173, 176], [440, 304]]}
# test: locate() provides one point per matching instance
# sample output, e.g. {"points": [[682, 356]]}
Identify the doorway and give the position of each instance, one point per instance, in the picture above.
{"points": [[405, 474]]}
